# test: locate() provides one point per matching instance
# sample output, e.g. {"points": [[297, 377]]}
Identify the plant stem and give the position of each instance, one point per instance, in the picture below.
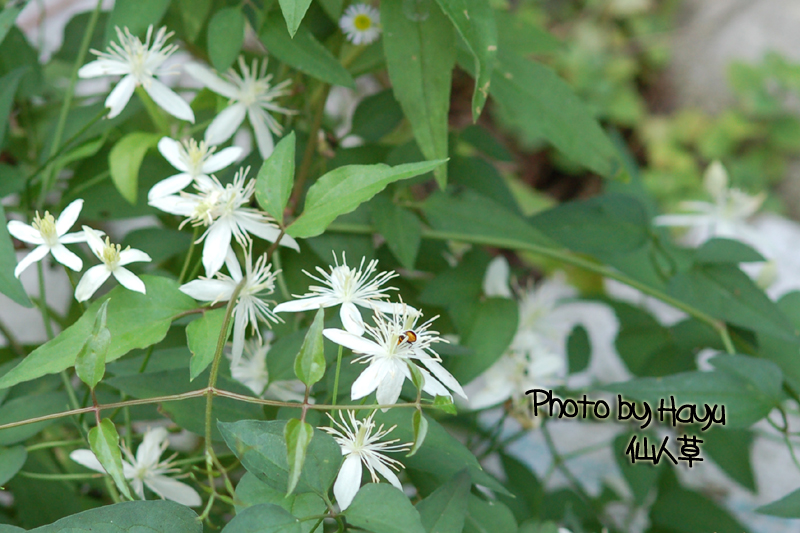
{"points": [[186, 261], [53, 444], [156, 115], [48, 327], [58, 477], [311, 146], [336, 376]]}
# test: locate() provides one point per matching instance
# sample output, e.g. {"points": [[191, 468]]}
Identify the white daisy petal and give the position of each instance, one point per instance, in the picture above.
{"points": [[171, 150], [225, 124], [120, 96], [211, 80], [24, 232], [36, 254], [68, 217], [133, 256], [88, 459], [222, 159], [263, 136], [91, 281], [354, 342], [304, 304], [209, 290], [169, 101], [348, 481], [174, 490], [169, 186], [66, 258], [216, 247], [351, 319], [129, 280], [367, 381]]}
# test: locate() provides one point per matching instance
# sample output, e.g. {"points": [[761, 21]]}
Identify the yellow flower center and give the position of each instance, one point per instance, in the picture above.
{"points": [[196, 155], [362, 22], [46, 227], [110, 255]]}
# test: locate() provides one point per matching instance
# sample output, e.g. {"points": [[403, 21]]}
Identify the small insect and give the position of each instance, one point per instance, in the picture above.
{"points": [[408, 336]]}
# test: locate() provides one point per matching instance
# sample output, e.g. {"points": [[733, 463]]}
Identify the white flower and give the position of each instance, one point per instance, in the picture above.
{"points": [[250, 94], [348, 287], [726, 217], [138, 63], [114, 260], [196, 161], [398, 342], [226, 213], [147, 469], [361, 23], [50, 235], [360, 444], [250, 308], [251, 371]]}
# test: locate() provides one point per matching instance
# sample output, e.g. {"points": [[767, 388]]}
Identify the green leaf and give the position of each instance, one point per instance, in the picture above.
{"points": [[252, 491], [381, 508], [135, 321], [298, 435], [474, 20], [153, 516], [420, 53], [303, 52], [641, 477], [201, 337], [31, 406], [11, 461], [193, 15], [7, 18], [376, 116], [276, 178], [9, 283], [400, 227], [730, 449], [343, 189], [485, 516], [786, 507], [261, 447], [445, 509], [225, 37], [719, 250], [541, 103], [579, 349], [91, 362], [124, 161], [263, 518], [309, 366], [420, 425], [104, 442], [136, 15], [293, 13], [445, 403], [8, 88]]}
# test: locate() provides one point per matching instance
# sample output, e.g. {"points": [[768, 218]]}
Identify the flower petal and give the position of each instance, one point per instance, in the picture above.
{"points": [[91, 281], [232, 262], [225, 124], [216, 246], [172, 489], [683, 220], [88, 459], [444, 376], [103, 67], [348, 481], [305, 304], [265, 230], [120, 96], [133, 256], [495, 281], [174, 204], [354, 342], [391, 385], [66, 258], [169, 186], [386, 472], [72, 238], [129, 280], [263, 135], [171, 150], [35, 255], [94, 241], [169, 101], [368, 381], [351, 318], [24, 232], [211, 80], [68, 216], [239, 326], [149, 451], [209, 290], [222, 159]]}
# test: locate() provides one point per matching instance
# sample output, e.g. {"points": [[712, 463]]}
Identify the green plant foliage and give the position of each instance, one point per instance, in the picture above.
{"points": [[225, 37], [383, 508]]}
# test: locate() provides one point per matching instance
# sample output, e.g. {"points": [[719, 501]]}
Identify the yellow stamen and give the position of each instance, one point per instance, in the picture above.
{"points": [[362, 22]]}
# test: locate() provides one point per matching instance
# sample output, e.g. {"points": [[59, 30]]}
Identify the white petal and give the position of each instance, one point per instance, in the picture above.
{"points": [[444, 376], [222, 159], [68, 216], [225, 124], [387, 308], [35, 255], [239, 326], [431, 385], [232, 262], [348, 481], [211, 80], [386, 472], [120, 96], [103, 67], [133, 256], [169, 101], [129, 280], [90, 282], [354, 342], [24, 232], [87, 459], [263, 135], [66, 258], [169, 186], [368, 381], [495, 281], [266, 231], [174, 204], [391, 385], [305, 304], [94, 241], [351, 318], [209, 290], [171, 150], [72, 238], [174, 490], [149, 451], [683, 220], [216, 246]]}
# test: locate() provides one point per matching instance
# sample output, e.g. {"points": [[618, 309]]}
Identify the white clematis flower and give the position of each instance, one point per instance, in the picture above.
{"points": [[251, 371], [138, 63], [195, 161], [251, 95], [250, 307], [114, 260], [360, 444], [397, 342], [147, 469], [226, 213], [348, 287], [361, 24], [727, 216], [50, 235]]}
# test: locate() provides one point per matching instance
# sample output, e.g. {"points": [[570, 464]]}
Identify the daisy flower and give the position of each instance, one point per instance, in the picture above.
{"points": [[250, 307], [195, 161], [50, 235], [360, 443], [138, 63], [114, 260], [251, 371], [147, 469], [396, 342], [226, 213], [348, 287], [250, 94], [361, 24]]}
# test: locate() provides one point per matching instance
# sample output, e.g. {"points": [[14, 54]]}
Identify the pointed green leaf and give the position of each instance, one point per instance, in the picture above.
{"points": [[298, 435], [276, 178], [8, 88], [91, 363], [124, 161], [400, 227], [225, 37], [9, 283], [7, 18], [201, 337], [11, 461], [445, 509], [264, 518], [786, 507], [420, 425], [419, 44], [136, 15], [104, 442], [381, 508], [293, 13], [153, 516], [309, 366]]}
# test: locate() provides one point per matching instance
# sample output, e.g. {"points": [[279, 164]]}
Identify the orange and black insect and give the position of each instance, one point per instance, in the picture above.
{"points": [[409, 336]]}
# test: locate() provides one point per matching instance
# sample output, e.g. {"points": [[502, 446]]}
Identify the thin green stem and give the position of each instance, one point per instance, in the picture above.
{"points": [[336, 376], [160, 121], [90, 183], [186, 261], [48, 327], [726, 338], [57, 477], [54, 444], [311, 147], [146, 358], [276, 260]]}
